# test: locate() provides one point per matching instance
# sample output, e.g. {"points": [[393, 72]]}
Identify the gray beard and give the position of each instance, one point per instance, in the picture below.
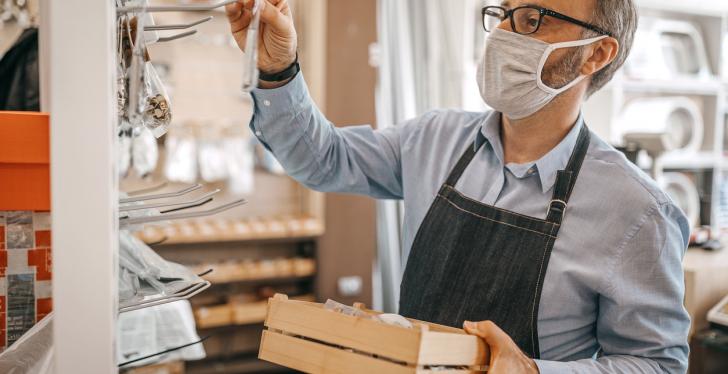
{"points": [[565, 70]]}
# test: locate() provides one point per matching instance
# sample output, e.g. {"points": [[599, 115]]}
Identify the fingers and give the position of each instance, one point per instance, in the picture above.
{"points": [[234, 10], [238, 17], [489, 331], [275, 13]]}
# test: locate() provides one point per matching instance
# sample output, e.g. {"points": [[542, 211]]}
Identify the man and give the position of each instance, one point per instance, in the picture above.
{"points": [[519, 217]]}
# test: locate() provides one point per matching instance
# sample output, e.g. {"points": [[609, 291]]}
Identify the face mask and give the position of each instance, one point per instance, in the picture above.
{"points": [[510, 73]]}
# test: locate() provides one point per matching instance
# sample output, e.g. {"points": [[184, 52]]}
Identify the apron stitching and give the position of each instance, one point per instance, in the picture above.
{"points": [[538, 284], [499, 209], [490, 219]]}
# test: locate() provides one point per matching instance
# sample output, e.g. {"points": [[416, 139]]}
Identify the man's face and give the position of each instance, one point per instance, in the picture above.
{"points": [[564, 65]]}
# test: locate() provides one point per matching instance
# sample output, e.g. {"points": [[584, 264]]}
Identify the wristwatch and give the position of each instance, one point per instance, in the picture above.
{"points": [[289, 72]]}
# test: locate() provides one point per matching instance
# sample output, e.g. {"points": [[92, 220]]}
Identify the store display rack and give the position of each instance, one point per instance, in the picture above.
{"points": [[78, 61]]}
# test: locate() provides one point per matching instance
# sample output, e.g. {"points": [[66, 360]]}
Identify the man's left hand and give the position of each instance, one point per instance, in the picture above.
{"points": [[505, 356]]}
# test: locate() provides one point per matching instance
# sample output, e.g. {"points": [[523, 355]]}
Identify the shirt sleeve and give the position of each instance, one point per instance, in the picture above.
{"points": [[325, 158], [642, 325]]}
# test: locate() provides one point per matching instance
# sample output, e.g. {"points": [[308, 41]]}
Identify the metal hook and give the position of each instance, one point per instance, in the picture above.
{"points": [[179, 205], [173, 8], [181, 26], [148, 189], [183, 294], [182, 192], [190, 206], [185, 34], [178, 216]]}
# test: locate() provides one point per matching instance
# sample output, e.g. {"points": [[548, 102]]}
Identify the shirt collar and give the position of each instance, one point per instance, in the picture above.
{"points": [[548, 166]]}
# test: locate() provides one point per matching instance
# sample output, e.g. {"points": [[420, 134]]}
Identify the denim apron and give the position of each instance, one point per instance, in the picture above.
{"points": [[476, 262]]}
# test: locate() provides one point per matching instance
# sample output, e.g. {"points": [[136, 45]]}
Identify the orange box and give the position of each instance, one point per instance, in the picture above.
{"points": [[25, 161]]}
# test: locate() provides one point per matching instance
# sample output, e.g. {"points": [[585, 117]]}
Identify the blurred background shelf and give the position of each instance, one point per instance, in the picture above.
{"points": [[252, 230], [710, 86]]}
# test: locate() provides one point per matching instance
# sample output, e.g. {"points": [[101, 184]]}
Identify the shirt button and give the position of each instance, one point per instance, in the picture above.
{"points": [[531, 171], [266, 102], [258, 134]]}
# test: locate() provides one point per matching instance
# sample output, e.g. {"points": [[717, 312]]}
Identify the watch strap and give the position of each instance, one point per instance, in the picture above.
{"points": [[289, 72]]}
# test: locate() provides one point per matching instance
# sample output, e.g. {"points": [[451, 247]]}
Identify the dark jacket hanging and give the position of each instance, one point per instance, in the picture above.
{"points": [[19, 79]]}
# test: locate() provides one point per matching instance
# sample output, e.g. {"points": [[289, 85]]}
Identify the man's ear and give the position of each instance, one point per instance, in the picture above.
{"points": [[601, 54]]}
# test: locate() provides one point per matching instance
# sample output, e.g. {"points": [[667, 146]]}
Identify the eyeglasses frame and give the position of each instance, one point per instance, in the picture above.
{"points": [[508, 13]]}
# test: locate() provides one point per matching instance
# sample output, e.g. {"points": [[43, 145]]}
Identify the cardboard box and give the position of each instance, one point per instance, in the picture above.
{"points": [[25, 161], [306, 337]]}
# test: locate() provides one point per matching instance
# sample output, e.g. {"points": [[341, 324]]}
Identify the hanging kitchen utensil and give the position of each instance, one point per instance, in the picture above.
{"points": [[250, 68]]}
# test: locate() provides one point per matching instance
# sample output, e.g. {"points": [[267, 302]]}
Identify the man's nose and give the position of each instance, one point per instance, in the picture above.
{"points": [[505, 25]]}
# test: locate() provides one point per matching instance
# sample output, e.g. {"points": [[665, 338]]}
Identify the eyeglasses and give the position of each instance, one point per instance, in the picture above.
{"points": [[526, 20]]}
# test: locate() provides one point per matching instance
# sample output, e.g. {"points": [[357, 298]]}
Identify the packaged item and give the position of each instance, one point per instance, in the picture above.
{"points": [[144, 332], [157, 114], [181, 162], [124, 148], [33, 352], [145, 152], [240, 165], [212, 159]]}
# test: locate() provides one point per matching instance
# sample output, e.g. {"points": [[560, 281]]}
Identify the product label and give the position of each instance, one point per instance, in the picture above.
{"points": [[19, 230], [20, 305]]}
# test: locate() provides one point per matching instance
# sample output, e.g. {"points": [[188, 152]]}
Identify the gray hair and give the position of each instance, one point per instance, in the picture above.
{"points": [[620, 18]]}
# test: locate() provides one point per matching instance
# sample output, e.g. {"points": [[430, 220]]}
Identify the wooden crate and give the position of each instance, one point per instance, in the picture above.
{"points": [[306, 337], [174, 367]]}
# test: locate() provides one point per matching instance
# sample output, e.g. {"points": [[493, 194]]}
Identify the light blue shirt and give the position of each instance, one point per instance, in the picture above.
{"points": [[612, 299]]}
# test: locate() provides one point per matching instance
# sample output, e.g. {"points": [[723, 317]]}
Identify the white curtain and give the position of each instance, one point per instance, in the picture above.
{"points": [[426, 55]]}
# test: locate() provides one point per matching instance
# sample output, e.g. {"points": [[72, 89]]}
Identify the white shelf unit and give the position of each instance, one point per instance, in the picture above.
{"points": [[604, 108], [78, 65]]}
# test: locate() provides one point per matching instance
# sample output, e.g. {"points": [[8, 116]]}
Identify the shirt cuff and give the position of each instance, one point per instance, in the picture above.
{"points": [[550, 367], [278, 105]]}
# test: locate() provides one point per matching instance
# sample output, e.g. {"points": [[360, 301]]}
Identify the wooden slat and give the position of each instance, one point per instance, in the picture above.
{"points": [[445, 349], [312, 321], [315, 358]]}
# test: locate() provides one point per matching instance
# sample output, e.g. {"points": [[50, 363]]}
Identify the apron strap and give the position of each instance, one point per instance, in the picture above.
{"points": [[462, 164], [566, 179]]}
